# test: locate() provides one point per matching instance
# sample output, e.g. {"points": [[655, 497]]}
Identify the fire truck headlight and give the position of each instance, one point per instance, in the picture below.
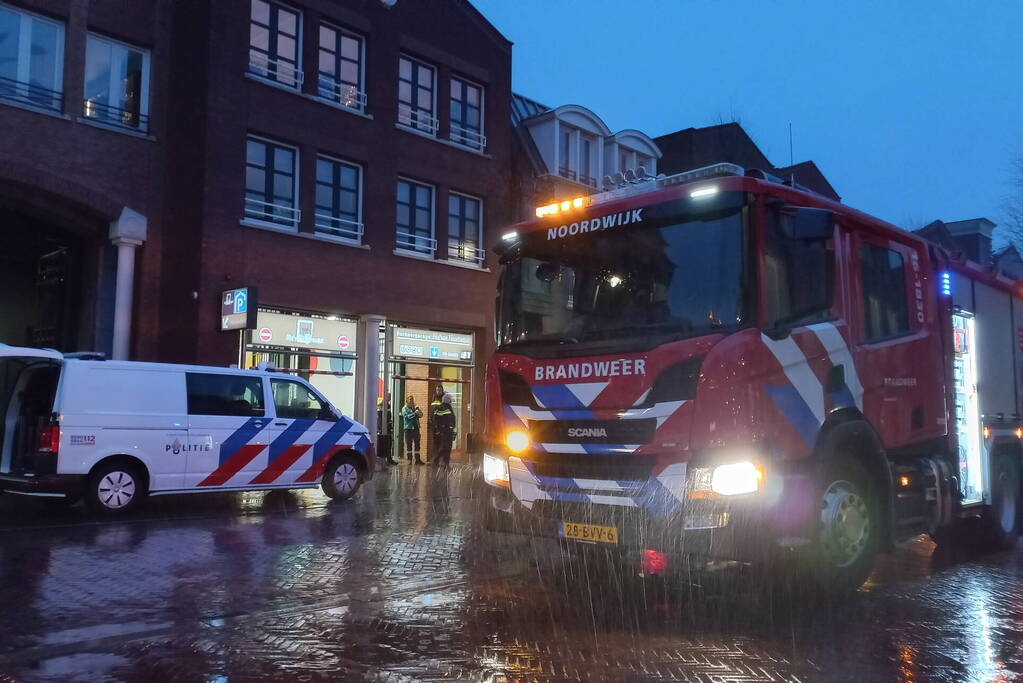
{"points": [[736, 479], [517, 440], [495, 470]]}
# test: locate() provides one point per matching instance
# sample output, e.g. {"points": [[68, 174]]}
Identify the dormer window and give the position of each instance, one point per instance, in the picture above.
{"points": [[566, 158]]}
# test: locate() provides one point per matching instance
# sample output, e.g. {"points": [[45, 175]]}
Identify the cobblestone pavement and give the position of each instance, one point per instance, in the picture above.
{"points": [[402, 584]]}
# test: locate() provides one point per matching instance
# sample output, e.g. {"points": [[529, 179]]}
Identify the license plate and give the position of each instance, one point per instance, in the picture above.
{"points": [[589, 532]]}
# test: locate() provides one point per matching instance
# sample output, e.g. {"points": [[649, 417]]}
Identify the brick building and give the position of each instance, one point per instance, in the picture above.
{"points": [[347, 160]]}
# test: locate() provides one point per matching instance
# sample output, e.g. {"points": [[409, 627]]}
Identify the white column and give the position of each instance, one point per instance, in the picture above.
{"points": [[126, 233], [369, 365]]}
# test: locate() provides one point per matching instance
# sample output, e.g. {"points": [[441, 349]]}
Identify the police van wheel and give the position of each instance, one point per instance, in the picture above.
{"points": [[341, 479], [115, 488]]}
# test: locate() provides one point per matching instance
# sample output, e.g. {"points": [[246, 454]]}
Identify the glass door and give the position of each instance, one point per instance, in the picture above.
{"points": [[424, 383]]}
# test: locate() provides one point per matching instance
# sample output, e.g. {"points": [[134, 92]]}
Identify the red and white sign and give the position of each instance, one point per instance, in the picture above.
{"points": [[343, 342], [265, 334]]}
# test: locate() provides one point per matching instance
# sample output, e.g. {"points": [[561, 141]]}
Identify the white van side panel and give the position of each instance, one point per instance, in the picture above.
{"points": [[115, 409]]}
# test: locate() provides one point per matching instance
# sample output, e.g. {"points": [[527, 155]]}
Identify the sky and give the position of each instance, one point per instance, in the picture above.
{"points": [[913, 110]]}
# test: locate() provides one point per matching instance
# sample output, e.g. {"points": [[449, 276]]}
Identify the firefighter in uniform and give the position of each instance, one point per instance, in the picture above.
{"points": [[442, 424]]}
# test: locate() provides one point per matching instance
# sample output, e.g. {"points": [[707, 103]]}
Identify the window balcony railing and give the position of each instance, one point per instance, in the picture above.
{"points": [[280, 214], [466, 251], [468, 137], [339, 227], [275, 70], [565, 172], [413, 242], [116, 116], [588, 180], [417, 119], [342, 93], [30, 94]]}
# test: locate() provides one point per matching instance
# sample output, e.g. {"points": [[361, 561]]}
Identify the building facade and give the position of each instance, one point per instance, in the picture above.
{"points": [[345, 162], [569, 151]]}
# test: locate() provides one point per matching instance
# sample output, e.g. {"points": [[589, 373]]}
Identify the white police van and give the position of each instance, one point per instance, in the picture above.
{"points": [[116, 431]]}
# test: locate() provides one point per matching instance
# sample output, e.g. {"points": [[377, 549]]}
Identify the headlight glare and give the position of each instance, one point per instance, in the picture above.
{"points": [[736, 479], [495, 470], [517, 440]]}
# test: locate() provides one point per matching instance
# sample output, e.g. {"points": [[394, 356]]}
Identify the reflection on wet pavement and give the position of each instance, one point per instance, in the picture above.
{"points": [[403, 584]]}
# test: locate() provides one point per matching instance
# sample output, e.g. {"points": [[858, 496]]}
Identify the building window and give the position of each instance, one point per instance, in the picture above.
{"points": [[624, 160], [885, 309], [341, 68], [587, 169], [338, 199], [274, 43], [416, 95], [467, 114], [116, 83], [566, 160], [415, 218], [270, 191], [31, 59], [465, 229]]}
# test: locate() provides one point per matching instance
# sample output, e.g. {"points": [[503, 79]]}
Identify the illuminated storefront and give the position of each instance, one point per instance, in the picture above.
{"points": [[318, 347]]}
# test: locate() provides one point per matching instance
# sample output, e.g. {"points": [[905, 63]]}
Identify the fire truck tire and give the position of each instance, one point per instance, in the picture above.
{"points": [[115, 487], [1003, 519], [848, 534], [342, 478]]}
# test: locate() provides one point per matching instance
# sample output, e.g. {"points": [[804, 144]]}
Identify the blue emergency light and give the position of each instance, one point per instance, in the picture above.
{"points": [[946, 283]]}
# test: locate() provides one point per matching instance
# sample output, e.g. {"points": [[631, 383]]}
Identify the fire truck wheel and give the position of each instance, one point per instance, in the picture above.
{"points": [[115, 487], [341, 479], [1004, 515], [848, 528]]}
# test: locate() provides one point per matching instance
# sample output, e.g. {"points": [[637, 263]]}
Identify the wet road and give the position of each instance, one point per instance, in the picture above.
{"points": [[402, 584]]}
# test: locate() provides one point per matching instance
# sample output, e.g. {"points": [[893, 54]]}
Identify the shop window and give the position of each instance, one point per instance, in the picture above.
{"points": [[294, 401], [270, 191], [415, 218], [467, 114], [116, 83], [885, 308], [274, 43], [338, 199], [31, 59], [416, 96], [217, 394], [341, 68], [465, 229]]}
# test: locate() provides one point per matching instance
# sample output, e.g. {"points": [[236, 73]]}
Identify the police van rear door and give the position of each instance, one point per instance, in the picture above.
{"points": [[28, 386]]}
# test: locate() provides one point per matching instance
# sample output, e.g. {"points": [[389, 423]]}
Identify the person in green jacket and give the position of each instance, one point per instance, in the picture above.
{"points": [[410, 416]]}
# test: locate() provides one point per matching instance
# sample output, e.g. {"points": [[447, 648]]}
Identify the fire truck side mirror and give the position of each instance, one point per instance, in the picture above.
{"points": [[812, 224]]}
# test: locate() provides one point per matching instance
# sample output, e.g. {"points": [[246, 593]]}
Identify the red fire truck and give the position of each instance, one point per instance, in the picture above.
{"points": [[721, 364]]}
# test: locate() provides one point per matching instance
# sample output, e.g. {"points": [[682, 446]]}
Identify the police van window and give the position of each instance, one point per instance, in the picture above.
{"points": [[224, 395], [798, 276], [295, 401], [885, 308]]}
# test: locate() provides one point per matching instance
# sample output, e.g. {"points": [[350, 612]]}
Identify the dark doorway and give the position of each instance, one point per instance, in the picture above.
{"points": [[40, 283]]}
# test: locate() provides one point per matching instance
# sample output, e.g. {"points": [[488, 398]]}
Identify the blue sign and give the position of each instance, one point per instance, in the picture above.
{"points": [[434, 352], [241, 301]]}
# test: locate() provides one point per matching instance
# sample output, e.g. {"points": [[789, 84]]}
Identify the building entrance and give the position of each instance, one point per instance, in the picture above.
{"points": [[420, 362], [41, 278]]}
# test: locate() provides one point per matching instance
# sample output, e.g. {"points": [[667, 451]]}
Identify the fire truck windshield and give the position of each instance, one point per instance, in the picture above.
{"points": [[626, 284]]}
